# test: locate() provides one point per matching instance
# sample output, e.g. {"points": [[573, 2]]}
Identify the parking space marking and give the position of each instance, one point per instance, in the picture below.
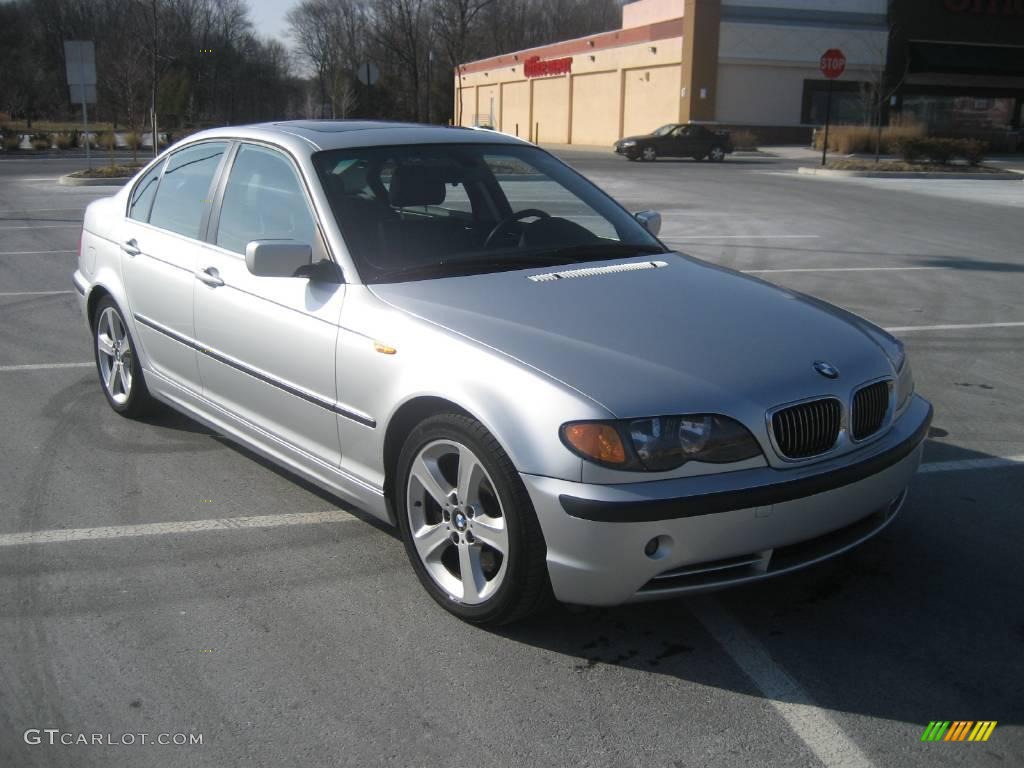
{"points": [[995, 462], [45, 226], [43, 366], [812, 724], [57, 536], [33, 293], [951, 327], [836, 269], [32, 253]]}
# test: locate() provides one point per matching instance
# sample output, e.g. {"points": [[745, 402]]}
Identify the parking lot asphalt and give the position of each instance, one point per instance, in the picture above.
{"points": [[314, 645]]}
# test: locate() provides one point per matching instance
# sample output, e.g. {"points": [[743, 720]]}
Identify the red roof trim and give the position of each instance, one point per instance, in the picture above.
{"points": [[662, 30]]}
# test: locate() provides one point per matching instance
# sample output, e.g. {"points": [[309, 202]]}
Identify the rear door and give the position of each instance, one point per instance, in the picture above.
{"points": [[160, 240], [268, 343]]}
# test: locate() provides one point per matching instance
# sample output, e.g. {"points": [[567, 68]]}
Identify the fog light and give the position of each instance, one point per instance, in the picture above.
{"points": [[651, 547]]}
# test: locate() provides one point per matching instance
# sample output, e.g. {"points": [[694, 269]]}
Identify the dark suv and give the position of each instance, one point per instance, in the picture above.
{"points": [[677, 140]]}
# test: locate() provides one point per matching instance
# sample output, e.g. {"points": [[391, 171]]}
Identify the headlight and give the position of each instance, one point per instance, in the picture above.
{"points": [[661, 443], [904, 386], [627, 144]]}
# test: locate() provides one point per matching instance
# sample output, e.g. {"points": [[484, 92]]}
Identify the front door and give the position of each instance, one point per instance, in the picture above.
{"points": [[267, 344], [159, 241]]}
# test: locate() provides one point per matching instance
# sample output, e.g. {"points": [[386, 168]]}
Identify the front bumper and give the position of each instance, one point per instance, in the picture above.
{"points": [[722, 529]]}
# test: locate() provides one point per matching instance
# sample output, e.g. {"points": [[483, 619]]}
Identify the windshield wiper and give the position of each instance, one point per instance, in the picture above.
{"points": [[568, 254]]}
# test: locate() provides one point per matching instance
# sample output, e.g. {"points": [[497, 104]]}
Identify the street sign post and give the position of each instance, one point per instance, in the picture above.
{"points": [[368, 74], [80, 61], [832, 65]]}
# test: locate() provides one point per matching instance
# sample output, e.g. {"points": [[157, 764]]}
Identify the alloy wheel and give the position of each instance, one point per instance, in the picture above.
{"points": [[649, 154], [457, 522], [115, 355]]}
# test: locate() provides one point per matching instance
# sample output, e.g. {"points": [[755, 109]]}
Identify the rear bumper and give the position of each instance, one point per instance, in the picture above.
{"points": [[723, 529]]}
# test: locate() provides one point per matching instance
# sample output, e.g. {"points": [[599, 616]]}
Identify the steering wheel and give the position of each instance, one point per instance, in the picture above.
{"points": [[514, 217]]}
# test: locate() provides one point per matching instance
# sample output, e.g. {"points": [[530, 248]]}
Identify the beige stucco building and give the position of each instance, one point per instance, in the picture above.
{"points": [[734, 62]]}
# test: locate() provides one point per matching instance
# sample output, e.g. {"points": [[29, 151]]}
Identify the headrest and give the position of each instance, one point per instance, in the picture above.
{"points": [[415, 185]]}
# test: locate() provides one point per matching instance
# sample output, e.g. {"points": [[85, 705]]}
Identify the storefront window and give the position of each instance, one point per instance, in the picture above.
{"points": [[851, 103], [959, 114]]}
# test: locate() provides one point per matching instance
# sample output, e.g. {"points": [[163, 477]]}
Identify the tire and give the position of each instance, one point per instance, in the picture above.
{"points": [[649, 154], [716, 154], [445, 536], [117, 364]]}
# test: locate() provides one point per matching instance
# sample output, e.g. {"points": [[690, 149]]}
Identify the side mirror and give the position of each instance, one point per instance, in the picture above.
{"points": [[277, 258], [649, 220]]}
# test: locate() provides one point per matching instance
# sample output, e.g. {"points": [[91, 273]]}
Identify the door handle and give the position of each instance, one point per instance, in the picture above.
{"points": [[131, 247], [210, 276]]}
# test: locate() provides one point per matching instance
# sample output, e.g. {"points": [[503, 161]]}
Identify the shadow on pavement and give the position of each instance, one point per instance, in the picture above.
{"points": [[924, 621]]}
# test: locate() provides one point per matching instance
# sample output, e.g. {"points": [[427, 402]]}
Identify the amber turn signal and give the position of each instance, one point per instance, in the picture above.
{"points": [[597, 441]]}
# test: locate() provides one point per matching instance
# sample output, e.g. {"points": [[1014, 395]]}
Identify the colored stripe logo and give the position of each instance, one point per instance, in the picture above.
{"points": [[958, 730]]}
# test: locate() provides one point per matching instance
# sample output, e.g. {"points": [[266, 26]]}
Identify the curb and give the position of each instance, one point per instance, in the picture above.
{"points": [[1001, 176], [70, 180]]}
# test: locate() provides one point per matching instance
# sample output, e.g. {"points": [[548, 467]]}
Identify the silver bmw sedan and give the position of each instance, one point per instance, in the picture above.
{"points": [[455, 332]]}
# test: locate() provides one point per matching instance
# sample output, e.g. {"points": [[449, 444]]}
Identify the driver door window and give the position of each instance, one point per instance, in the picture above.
{"points": [[263, 200]]}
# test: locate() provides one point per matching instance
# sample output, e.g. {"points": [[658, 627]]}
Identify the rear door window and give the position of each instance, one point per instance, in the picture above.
{"points": [[182, 199]]}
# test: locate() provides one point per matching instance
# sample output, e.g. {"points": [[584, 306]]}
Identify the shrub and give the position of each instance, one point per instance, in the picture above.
{"points": [[910, 149], [40, 141], [67, 140], [133, 141], [11, 141], [849, 139], [103, 140], [744, 139], [943, 151], [974, 151]]}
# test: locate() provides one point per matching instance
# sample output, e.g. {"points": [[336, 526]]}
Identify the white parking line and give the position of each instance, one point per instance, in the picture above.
{"points": [[46, 226], [995, 462], [961, 327], [33, 293], [186, 526], [814, 725], [836, 269], [43, 366], [31, 253]]}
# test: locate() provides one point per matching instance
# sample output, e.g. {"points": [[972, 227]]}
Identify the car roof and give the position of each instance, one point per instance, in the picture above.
{"points": [[315, 135]]}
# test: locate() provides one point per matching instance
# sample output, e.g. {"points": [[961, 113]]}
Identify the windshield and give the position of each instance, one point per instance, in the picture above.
{"points": [[665, 129], [434, 210]]}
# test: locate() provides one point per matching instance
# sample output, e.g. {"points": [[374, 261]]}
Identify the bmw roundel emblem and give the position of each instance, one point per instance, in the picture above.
{"points": [[827, 370]]}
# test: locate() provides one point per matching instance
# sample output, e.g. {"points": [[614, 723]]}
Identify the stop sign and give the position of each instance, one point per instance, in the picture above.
{"points": [[833, 63]]}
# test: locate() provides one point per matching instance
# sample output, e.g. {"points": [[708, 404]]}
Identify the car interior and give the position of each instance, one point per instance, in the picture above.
{"points": [[413, 210]]}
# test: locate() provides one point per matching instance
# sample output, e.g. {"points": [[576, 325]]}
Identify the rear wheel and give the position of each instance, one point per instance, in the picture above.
{"points": [[116, 362], [649, 154], [468, 525]]}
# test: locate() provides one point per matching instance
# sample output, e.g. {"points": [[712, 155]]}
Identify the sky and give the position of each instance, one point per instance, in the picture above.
{"points": [[268, 17]]}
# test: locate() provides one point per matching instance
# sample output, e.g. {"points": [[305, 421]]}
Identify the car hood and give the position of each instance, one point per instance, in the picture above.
{"points": [[636, 138], [684, 337]]}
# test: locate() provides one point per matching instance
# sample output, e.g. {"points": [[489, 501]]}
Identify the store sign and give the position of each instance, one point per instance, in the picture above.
{"points": [[987, 7], [535, 67]]}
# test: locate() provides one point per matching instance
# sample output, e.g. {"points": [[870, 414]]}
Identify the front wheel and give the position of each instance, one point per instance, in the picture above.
{"points": [[649, 154], [716, 155], [116, 362], [467, 522]]}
